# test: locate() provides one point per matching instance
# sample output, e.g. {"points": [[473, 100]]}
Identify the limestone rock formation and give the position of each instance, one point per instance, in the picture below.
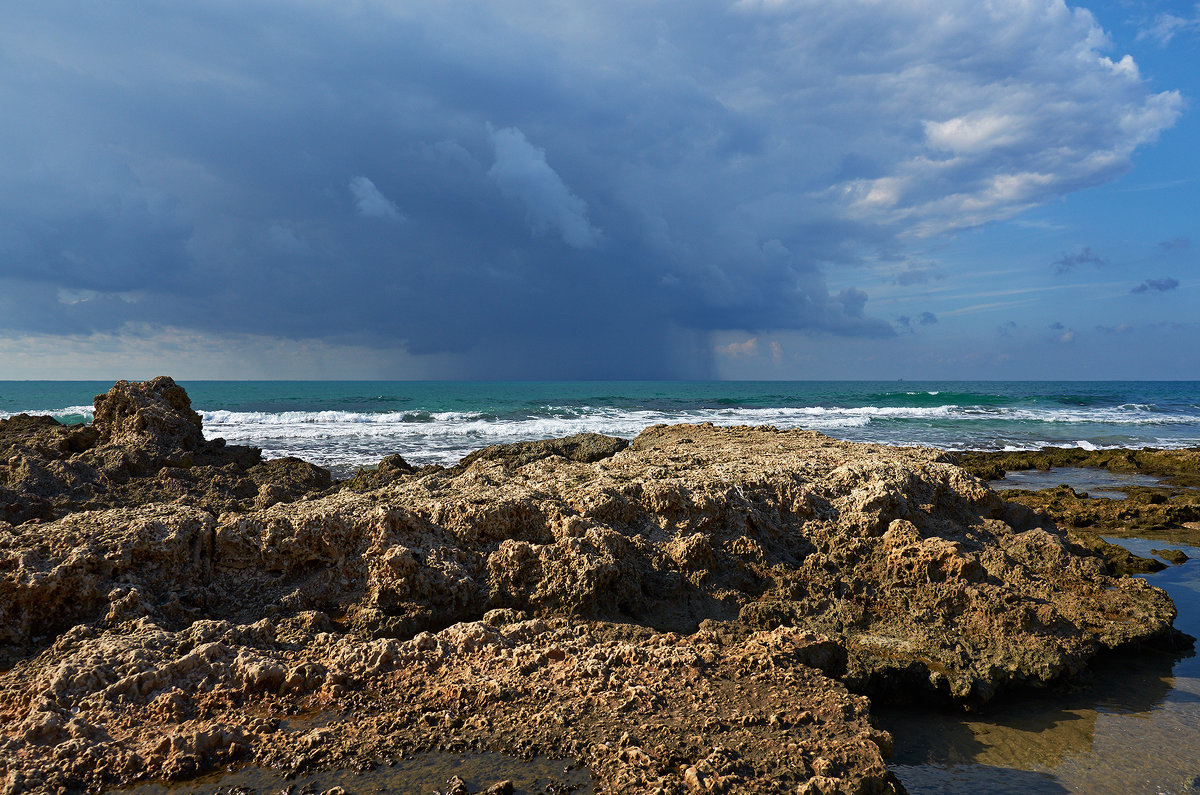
{"points": [[152, 420], [145, 445], [701, 609], [645, 711]]}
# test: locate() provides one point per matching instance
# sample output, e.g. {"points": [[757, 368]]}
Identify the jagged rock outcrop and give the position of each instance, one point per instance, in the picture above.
{"points": [[706, 602], [144, 445], [152, 421]]}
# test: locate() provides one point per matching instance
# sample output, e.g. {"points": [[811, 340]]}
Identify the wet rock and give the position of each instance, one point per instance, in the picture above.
{"points": [[1167, 512], [584, 448], [1175, 557], [1120, 561]]}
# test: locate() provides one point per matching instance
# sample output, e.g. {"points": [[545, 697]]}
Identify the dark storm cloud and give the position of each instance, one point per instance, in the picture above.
{"points": [[1085, 256], [1157, 285], [565, 191]]}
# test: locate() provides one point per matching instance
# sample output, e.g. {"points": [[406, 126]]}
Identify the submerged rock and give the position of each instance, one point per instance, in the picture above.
{"points": [[701, 609], [1176, 557]]}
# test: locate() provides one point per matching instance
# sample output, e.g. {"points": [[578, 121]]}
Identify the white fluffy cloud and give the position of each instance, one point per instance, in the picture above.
{"points": [[370, 201], [521, 171], [969, 112]]}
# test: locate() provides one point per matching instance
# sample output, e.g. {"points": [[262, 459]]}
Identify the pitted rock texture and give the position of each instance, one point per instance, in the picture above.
{"points": [[645, 711], [695, 611], [144, 445]]}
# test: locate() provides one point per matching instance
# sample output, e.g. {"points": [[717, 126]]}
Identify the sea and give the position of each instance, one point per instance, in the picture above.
{"points": [[342, 425]]}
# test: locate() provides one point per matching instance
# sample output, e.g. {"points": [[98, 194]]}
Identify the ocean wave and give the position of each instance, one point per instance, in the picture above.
{"points": [[817, 416], [344, 438], [550, 420], [67, 412]]}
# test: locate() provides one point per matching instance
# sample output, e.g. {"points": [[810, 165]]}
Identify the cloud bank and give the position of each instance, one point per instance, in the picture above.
{"points": [[587, 189]]}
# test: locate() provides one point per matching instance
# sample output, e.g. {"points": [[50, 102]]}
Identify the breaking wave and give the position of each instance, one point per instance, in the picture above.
{"points": [[345, 425]]}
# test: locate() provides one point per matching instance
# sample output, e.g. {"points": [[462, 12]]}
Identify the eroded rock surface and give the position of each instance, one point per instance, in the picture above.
{"points": [[700, 610], [646, 711], [144, 445]]}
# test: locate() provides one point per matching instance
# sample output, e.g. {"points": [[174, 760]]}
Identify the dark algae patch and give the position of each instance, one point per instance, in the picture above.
{"points": [[1168, 511]]}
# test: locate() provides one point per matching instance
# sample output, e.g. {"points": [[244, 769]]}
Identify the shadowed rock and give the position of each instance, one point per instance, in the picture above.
{"points": [[585, 448], [389, 469], [144, 445]]}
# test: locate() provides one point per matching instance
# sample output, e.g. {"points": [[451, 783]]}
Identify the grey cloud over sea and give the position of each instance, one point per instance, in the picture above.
{"points": [[588, 188]]}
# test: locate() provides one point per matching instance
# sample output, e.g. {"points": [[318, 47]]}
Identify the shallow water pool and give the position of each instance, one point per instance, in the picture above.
{"points": [[422, 773], [1095, 481], [1131, 725]]}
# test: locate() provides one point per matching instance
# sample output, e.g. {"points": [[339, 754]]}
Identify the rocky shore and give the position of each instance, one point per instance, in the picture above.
{"points": [[702, 609], [1168, 510]]}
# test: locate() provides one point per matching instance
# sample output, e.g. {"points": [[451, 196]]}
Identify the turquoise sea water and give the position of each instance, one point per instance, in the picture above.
{"points": [[342, 424]]}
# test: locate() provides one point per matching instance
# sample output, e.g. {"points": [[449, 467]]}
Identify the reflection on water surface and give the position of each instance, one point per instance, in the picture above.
{"points": [[423, 773], [1093, 480], [1130, 725]]}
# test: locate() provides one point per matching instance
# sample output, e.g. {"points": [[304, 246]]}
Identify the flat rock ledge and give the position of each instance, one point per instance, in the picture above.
{"points": [[706, 609]]}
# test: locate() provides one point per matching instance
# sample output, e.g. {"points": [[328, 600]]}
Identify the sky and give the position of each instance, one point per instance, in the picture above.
{"points": [[634, 189]]}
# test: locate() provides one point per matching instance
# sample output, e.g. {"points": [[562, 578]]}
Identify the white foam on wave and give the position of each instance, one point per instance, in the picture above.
{"points": [[343, 440], [235, 418], [555, 420], [66, 411]]}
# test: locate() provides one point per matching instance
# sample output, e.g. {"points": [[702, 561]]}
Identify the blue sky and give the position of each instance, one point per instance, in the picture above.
{"points": [[754, 189]]}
